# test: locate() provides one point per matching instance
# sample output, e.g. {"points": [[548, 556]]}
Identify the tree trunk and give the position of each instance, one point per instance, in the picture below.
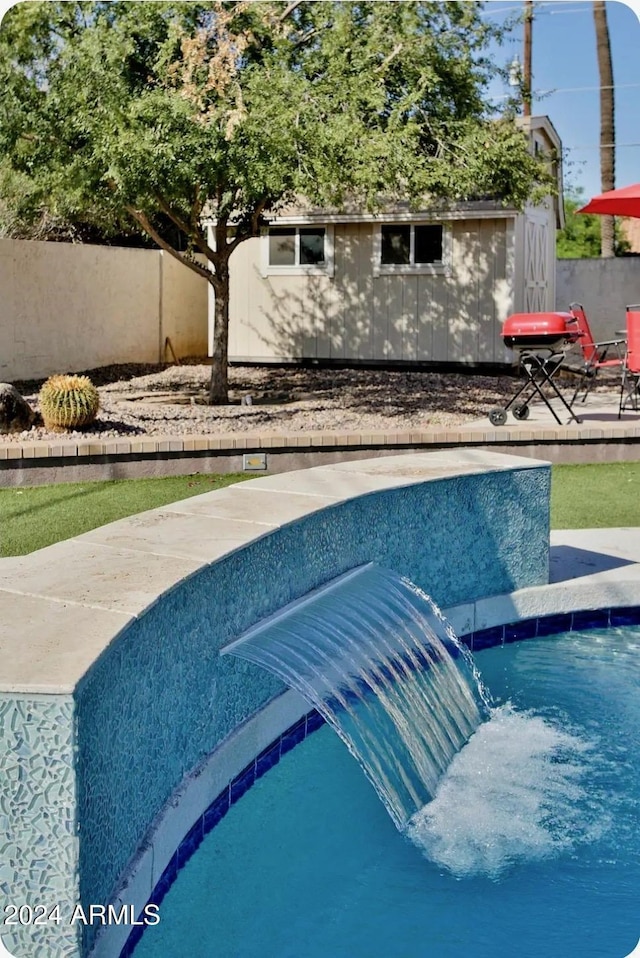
{"points": [[607, 121], [219, 385]]}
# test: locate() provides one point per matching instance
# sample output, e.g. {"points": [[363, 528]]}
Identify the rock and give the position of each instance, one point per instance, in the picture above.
{"points": [[16, 415]]}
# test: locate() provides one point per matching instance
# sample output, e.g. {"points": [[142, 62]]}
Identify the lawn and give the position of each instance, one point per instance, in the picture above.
{"points": [[599, 496], [585, 496]]}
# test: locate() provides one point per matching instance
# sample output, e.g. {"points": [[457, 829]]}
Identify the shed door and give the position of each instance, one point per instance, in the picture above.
{"points": [[536, 262]]}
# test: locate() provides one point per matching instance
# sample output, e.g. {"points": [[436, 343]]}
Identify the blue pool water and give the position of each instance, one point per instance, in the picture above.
{"points": [[530, 847]]}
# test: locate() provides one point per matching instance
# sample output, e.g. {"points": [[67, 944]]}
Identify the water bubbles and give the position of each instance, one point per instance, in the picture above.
{"points": [[517, 791]]}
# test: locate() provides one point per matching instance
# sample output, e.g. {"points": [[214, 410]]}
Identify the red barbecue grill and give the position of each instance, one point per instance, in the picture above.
{"points": [[542, 340]]}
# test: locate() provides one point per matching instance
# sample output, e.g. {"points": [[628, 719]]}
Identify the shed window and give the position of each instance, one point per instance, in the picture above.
{"points": [[297, 246], [411, 248], [410, 245], [282, 247]]}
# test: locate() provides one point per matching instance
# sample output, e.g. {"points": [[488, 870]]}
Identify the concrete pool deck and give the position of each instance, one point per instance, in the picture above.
{"points": [[600, 437]]}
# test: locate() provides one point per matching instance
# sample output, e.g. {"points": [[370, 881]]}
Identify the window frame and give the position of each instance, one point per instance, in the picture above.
{"points": [[298, 268], [437, 268]]}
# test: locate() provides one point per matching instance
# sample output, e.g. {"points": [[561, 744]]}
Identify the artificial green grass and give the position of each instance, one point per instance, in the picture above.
{"points": [[34, 517], [582, 497], [606, 495]]}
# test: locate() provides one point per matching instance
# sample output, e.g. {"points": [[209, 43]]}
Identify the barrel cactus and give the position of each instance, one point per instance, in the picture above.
{"points": [[68, 402]]}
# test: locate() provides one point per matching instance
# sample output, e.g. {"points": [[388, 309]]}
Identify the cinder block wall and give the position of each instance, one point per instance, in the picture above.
{"points": [[603, 286], [67, 307]]}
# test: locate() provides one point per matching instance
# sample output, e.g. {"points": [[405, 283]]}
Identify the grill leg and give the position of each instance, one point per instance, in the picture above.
{"points": [[542, 373]]}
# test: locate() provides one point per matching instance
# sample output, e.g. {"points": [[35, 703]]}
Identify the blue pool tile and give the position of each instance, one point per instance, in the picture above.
{"points": [[242, 782], [314, 721], [268, 758], [293, 736], [190, 842], [591, 619], [526, 629], [133, 939], [554, 624], [629, 616], [487, 638], [216, 811], [166, 880]]}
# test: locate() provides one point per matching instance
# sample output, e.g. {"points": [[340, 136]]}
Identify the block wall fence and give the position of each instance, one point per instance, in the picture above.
{"points": [[67, 307]]}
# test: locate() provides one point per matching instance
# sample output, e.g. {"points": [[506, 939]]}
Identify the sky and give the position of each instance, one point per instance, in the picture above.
{"points": [[566, 81]]}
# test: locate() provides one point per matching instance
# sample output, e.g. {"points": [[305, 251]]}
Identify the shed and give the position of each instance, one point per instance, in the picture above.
{"points": [[399, 286]]}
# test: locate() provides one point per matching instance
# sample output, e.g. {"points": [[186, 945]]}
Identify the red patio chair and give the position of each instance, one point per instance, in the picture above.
{"points": [[594, 355], [630, 391]]}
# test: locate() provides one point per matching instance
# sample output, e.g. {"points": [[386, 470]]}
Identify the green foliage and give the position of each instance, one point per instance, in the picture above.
{"points": [[117, 115], [68, 402], [32, 518], [165, 107], [581, 238]]}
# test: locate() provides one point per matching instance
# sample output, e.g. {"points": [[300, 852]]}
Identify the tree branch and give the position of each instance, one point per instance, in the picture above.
{"points": [[387, 60], [253, 225], [193, 233], [289, 10], [143, 220]]}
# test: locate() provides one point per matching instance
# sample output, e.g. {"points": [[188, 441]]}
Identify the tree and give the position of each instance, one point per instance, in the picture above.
{"points": [[581, 237], [607, 121], [163, 114]]}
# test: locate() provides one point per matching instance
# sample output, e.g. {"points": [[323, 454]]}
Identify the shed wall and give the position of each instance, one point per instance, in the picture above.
{"points": [[355, 315]]}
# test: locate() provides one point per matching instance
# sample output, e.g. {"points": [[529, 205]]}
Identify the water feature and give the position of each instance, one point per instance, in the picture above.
{"points": [[377, 659], [530, 842]]}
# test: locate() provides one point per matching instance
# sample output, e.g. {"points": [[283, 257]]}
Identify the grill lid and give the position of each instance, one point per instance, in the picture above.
{"points": [[539, 329]]}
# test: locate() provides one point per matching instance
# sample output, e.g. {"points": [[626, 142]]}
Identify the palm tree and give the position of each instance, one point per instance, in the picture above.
{"points": [[607, 121]]}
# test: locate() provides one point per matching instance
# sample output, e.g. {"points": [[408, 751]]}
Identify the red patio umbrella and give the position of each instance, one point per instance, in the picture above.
{"points": [[623, 202]]}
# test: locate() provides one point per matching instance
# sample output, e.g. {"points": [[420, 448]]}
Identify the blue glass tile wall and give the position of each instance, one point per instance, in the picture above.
{"points": [[269, 757]]}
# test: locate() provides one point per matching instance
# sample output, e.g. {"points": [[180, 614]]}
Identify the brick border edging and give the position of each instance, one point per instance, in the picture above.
{"points": [[233, 442], [80, 459]]}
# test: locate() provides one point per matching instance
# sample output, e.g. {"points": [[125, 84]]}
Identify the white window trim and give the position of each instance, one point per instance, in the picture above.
{"points": [[442, 268], [298, 269]]}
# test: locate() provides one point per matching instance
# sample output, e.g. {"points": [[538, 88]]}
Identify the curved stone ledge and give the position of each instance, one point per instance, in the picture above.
{"points": [[123, 626]]}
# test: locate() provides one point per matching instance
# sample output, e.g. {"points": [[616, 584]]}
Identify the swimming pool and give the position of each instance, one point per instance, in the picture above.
{"points": [[532, 837]]}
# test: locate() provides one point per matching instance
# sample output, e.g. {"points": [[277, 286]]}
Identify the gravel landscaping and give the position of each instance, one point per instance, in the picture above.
{"points": [[171, 400]]}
